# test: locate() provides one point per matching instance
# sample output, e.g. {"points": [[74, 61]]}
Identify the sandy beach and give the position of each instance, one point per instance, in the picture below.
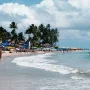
{"points": [[7, 53]]}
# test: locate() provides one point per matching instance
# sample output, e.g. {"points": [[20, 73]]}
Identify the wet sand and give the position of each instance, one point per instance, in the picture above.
{"points": [[13, 77]]}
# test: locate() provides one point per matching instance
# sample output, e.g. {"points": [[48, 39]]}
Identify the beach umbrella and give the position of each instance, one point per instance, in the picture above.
{"points": [[5, 43]]}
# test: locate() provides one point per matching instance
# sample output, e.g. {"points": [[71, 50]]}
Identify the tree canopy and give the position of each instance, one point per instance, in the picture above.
{"points": [[37, 35]]}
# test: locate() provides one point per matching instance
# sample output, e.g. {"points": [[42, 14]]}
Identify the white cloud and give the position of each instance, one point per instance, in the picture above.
{"points": [[83, 4], [16, 9], [66, 15]]}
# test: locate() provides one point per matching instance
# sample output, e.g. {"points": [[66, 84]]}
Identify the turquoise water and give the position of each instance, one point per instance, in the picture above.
{"points": [[80, 60], [51, 71]]}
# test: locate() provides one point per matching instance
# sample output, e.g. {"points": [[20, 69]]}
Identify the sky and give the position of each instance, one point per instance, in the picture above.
{"points": [[25, 2], [71, 17]]}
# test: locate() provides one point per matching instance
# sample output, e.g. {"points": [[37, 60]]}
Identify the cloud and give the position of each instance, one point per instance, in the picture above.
{"points": [[82, 4], [70, 15], [19, 13], [67, 15], [74, 35]]}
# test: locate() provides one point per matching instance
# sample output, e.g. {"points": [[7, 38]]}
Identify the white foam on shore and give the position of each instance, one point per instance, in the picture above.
{"points": [[77, 78], [40, 62]]}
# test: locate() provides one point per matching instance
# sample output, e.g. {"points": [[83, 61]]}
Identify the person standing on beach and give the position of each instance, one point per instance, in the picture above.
{"points": [[0, 54]]}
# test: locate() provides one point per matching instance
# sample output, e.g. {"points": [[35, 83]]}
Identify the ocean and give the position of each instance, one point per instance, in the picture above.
{"points": [[50, 71]]}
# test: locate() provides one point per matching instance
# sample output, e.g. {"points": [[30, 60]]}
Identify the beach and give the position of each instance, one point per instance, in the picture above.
{"points": [[7, 53], [49, 71]]}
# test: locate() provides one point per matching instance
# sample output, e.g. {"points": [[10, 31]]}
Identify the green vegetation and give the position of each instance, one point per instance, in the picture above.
{"points": [[37, 35]]}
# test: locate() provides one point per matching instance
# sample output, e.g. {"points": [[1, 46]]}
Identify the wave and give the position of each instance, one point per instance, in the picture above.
{"points": [[41, 62], [77, 78]]}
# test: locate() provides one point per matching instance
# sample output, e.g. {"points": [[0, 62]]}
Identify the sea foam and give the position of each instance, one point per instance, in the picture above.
{"points": [[77, 78], [41, 62]]}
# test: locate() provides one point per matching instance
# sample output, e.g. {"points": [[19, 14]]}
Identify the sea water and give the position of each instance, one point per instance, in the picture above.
{"points": [[50, 71]]}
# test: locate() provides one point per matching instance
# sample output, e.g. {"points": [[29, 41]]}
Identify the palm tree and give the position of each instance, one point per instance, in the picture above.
{"points": [[32, 30], [54, 36], [42, 33], [13, 26], [3, 33], [14, 36], [8, 35], [41, 30], [21, 37]]}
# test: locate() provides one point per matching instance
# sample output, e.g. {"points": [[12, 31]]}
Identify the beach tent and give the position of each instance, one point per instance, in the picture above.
{"points": [[5, 43], [26, 44]]}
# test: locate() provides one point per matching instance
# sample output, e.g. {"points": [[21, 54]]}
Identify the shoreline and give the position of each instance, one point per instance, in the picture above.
{"points": [[7, 53]]}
